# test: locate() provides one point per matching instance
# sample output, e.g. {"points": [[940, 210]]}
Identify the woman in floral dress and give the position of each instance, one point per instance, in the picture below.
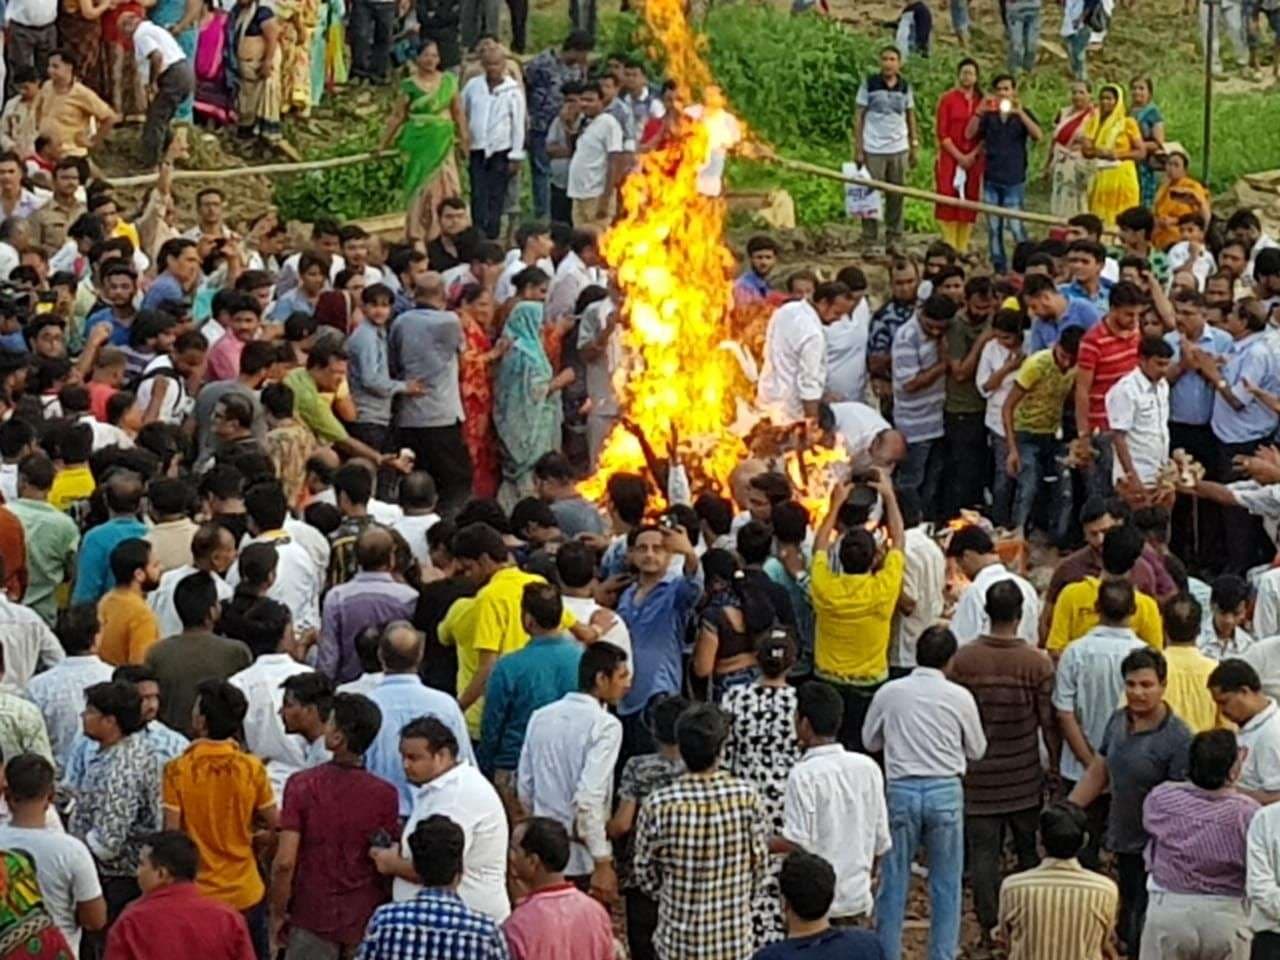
{"points": [[475, 377], [762, 748]]}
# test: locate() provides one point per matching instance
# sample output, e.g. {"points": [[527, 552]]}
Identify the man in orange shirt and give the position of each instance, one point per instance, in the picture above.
{"points": [[129, 627], [218, 795]]}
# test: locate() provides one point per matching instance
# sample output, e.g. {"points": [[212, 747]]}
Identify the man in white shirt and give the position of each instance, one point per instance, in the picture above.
{"points": [[459, 791], [1262, 884], [975, 553], [298, 580], [574, 273], [496, 117], [213, 551], [576, 565], [795, 354], [27, 641], [566, 764], [929, 729], [65, 870], [1138, 411], [264, 734], [533, 249], [165, 70], [17, 439], [869, 439], [847, 343], [59, 691], [834, 803], [923, 582], [1237, 691], [597, 166]]}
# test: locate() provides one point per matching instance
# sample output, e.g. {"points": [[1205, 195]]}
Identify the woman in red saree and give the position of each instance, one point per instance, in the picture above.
{"points": [[1069, 170], [475, 380], [956, 152]]}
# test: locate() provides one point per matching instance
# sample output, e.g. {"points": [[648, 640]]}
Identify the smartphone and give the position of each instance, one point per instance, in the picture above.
{"points": [[381, 839]]}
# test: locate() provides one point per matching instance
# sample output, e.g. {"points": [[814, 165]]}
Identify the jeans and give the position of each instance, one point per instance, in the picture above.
{"points": [[967, 461], [539, 174], [921, 471], [256, 919], [1097, 475], [1023, 31], [1001, 482], [489, 176], [1039, 453], [1131, 876], [928, 812], [960, 17], [172, 88], [1186, 927], [371, 29], [1009, 197], [1077, 44], [891, 168], [984, 837]]}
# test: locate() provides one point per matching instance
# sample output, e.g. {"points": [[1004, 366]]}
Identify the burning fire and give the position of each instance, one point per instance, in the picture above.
{"points": [[675, 274]]}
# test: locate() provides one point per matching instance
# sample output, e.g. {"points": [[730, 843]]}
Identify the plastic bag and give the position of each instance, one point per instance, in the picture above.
{"points": [[860, 202]]}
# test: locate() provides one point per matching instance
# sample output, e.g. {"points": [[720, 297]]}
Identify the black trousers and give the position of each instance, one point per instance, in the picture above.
{"points": [[1096, 815], [442, 452], [642, 923], [1248, 544], [371, 28], [1131, 872], [378, 436], [984, 837], [857, 701], [1195, 532], [968, 462], [1266, 946], [489, 176], [519, 24], [172, 87]]}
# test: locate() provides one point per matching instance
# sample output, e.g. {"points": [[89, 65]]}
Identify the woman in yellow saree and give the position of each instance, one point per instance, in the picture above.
{"points": [[1112, 140]]}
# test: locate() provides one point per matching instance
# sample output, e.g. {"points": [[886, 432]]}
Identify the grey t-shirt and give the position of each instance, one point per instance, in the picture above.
{"points": [[206, 401], [424, 346], [576, 515], [1137, 764]]}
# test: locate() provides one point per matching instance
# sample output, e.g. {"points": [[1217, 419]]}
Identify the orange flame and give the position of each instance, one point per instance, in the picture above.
{"points": [[674, 274]]}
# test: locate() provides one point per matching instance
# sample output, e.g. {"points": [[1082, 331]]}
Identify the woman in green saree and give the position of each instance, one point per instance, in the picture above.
{"points": [[426, 124]]}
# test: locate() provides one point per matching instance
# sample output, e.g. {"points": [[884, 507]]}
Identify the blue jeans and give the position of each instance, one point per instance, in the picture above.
{"points": [[1097, 476], [928, 812], [1039, 453], [960, 17], [1077, 44], [1023, 27], [921, 471], [1001, 482], [539, 174], [1011, 199]]}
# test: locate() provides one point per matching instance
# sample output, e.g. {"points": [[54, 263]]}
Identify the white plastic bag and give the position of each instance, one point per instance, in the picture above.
{"points": [[861, 203], [902, 40]]}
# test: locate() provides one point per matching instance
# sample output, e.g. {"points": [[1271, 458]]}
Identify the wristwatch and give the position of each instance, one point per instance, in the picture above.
{"points": [[1220, 385]]}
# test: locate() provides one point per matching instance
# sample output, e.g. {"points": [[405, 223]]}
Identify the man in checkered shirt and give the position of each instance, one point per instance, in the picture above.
{"points": [[701, 849], [435, 924]]}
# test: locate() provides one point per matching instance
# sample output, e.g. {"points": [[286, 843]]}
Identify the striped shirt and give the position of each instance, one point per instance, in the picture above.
{"points": [[1013, 685], [918, 414], [1057, 911], [1108, 356], [1197, 840]]}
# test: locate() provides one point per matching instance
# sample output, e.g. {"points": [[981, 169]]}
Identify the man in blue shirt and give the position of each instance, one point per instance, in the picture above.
{"points": [[93, 568], [1004, 127], [753, 285], [656, 611], [1241, 422], [1051, 312], [808, 884], [1087, 258], [1191, 402], [180, 262]]}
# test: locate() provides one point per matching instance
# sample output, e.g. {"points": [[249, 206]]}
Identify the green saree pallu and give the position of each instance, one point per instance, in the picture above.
{"points": [[428, 134]]}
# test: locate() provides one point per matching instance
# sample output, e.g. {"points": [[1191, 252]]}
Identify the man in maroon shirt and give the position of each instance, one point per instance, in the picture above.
{"points": [[172, 919], [332, 814], [1108, 351]]}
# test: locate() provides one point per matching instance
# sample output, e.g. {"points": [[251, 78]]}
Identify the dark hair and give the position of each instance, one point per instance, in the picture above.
{"points": [[553, 465], [761, 242], [1126, 294], [1137, 218], [1069, 341], [822, 706], [1182, 617], [774, 485], [531, 510], [936, 646], [970, 539], [433, 731], [755, 542], [776, 653], [663, 716], [1004, 602], [36, 470], [1230, 592], [541, 603], [266, 505], [223, 707], [575, 564], [857, 551], [193, 598], [715, 511], [1213, 753], [277, 399], [258, 561], [601, 657], [1063, 829], [118, 700], [1145, 658], [1234, 676], [853, 278], [808, 884], [628, 495], [357, 718], [700, 733], [310, 689], [483, 511], [355, 481], [790, 523], [78, 628], [174, 852], [29, 776], [437, 844], [1155, 347], [1116, 600], [127, 558], [477, 540], [1121, 548], [548, 840]]}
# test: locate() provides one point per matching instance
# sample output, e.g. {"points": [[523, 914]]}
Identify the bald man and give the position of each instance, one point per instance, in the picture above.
{"points": [[369, 599], [93, 568], [424, 346], [401, 696]]}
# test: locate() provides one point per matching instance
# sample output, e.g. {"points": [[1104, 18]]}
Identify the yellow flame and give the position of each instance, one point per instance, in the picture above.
{"points": [[675, 273]]}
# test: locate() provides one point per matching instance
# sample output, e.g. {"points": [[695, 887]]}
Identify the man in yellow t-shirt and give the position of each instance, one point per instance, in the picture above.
{"points": [[1075, 613], [74, 480], [129, 627], [218, 795], [853, 609], [1187, 688]]}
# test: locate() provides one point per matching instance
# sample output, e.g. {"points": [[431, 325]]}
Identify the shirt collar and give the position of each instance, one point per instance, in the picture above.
{"points": [[399, 679], [579, 697], [824, 749], [444, 780], [928, 672], [374, 576], [1258, 719]]}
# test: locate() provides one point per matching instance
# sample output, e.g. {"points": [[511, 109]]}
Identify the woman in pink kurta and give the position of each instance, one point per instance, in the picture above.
{"points": [[957, 152]]}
